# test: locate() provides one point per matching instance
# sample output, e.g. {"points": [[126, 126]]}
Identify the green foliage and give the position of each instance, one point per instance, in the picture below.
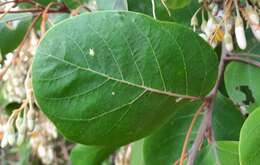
{"points": [[137, 156], [182, 15], [73, 4], [242, 80], [176, 4], [167, 142], [101, 85], [227, 119], [249, 143], [112, 5], [45, 2], [226, 154], [11, 36], [116, 77], [92, 155]]}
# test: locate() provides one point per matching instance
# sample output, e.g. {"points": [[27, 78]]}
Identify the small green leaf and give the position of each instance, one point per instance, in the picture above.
{"points": [[165, 145], [112, 5], [137, 156], [114, 85], [11, 36], [90, 155], [227, 154], [249, 143], [227, 119], [242, 80], [73, 4], [45, 2], [177, 4]]}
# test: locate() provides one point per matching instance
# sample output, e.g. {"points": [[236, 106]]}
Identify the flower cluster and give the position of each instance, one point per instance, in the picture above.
{"points": [[221, 20], [41, 141]]}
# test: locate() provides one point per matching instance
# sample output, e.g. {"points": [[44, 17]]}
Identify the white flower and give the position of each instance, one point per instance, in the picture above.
{"points": [[240, 33], [252, 15], [228, 41]]}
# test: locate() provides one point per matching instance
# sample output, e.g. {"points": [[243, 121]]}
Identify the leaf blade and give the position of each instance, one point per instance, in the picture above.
{"points": [[103, 71]]}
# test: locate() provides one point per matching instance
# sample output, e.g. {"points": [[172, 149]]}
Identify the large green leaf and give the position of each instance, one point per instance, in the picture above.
{"points": [[227, 119], [227, 154], [112, 5], [165, 145], [242, 80], [182, 15], [104, 83], [168, 141], [249, 143], [90, 155], [11, 36]]}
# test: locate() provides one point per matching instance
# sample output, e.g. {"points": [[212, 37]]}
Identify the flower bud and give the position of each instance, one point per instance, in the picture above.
{"points": [[252, 15], [215, 9], [30, 124], [4, 141], [229, 24], [20, 139], [11, 138], [18, 121], [204, 36], [30, 119], [240, 33], [203, 25], [10, 133], [22, 128], [211, 24], [228, 41], [256, 31], [194, 21], [41, 151]]}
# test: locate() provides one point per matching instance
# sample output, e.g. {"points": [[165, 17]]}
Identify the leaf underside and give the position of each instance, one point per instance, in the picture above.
{"points": [[109, 78]]}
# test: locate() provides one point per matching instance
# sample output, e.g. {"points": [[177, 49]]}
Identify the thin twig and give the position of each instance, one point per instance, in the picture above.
{"points": [[199, 138], [243, 60], [187, 138], [153, 6], [166, 7], [45, 16], [19, 48], [6, 12], [63, 9], [178, 160]]}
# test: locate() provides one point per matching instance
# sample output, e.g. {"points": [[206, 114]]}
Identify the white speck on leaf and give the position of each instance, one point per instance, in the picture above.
{"points": [[113, 93], [91, 52]]}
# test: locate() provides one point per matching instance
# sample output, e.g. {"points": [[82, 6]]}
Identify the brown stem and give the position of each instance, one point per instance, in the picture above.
{"points": [[45, 16], [243, 60], [177, 161], [19, 48], [209, 101], [63, 9], [200, 137], [186, 141]]}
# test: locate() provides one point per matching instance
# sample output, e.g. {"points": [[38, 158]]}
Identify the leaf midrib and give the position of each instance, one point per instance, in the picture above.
{"points": [[153, 90]]}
